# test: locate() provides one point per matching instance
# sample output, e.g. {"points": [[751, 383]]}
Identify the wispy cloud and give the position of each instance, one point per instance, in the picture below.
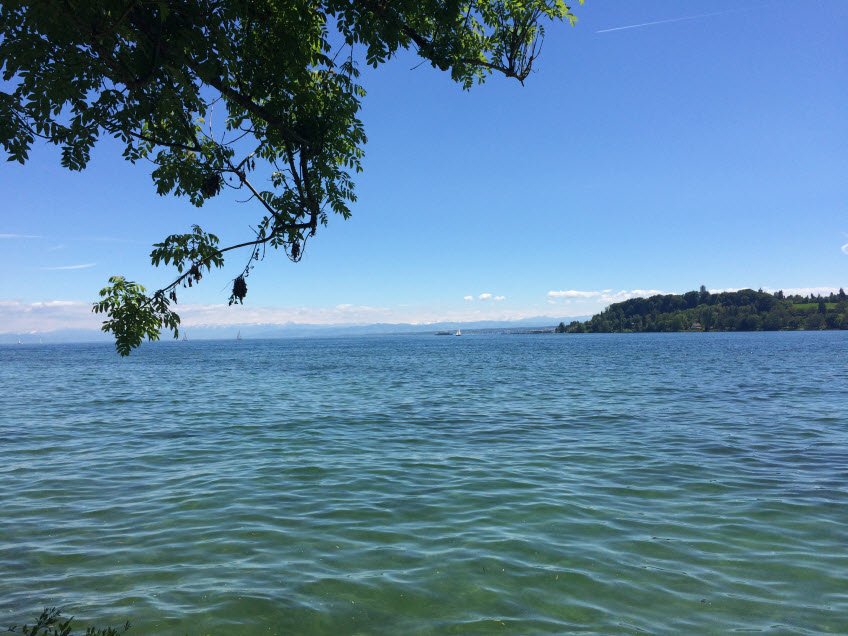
{"points": [[845, 248], [725, 289], [670, 20], [485, 296], [211, 315], [44, 317], [84, 266], [601, 297], [107, 239], [97, 239], [573, 293], [610, 296]]}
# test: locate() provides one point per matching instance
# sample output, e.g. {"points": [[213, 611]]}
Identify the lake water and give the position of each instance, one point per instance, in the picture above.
{"points": [[660, 483]]}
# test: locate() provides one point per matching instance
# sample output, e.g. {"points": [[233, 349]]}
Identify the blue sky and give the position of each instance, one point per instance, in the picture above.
{"points": [[707, 148]]}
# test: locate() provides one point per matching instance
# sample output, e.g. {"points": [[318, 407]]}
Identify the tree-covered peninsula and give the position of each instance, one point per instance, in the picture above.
{"points": [[743, 310]]}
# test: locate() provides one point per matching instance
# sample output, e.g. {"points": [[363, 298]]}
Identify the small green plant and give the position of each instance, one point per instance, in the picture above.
{"points": [[50, 623]]}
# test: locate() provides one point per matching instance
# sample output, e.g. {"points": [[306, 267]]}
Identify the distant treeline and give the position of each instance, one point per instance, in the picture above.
{"points": [[743, 310]]}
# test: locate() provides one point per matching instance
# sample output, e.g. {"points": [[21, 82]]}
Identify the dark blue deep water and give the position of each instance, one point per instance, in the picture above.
{"points": [[667, 483]]}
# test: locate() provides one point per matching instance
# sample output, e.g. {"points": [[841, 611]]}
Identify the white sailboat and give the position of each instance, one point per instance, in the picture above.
{"points": [[185, 337], [238, 337], [458, 332]]}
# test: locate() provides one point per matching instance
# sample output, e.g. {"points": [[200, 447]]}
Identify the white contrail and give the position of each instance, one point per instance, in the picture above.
{"points": [[688, 17], [72, 266]]}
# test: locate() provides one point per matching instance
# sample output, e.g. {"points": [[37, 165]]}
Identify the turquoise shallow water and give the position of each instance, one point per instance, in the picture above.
{"points": [[660, 483]]}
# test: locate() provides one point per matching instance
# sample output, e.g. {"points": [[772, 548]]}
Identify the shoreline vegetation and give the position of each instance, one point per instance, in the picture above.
{"points": [[50, 623], [743, 310]]}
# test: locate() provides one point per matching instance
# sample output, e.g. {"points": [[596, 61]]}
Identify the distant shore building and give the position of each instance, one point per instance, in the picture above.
{"points": [[696, 326]]}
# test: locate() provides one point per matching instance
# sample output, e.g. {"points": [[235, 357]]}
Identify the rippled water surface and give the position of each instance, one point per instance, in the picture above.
{"points": [[669, 483]]}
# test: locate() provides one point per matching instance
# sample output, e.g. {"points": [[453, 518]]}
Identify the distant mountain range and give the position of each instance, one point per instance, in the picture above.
{"points": [[293, 330]]}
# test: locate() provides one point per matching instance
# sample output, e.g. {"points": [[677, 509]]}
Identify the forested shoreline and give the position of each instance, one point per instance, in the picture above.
{"points": [[743, 310]]}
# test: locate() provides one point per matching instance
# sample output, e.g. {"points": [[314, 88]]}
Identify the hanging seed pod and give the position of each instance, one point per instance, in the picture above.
{"points": [[239, 289], [211, 186], [295, 250], [195, 273]]}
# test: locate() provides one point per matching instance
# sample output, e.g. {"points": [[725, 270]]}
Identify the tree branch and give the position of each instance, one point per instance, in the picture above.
{"points": [[159, 142], [261, 241], [382, 10], [117, 23], [255, 109], [243, 178]]}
